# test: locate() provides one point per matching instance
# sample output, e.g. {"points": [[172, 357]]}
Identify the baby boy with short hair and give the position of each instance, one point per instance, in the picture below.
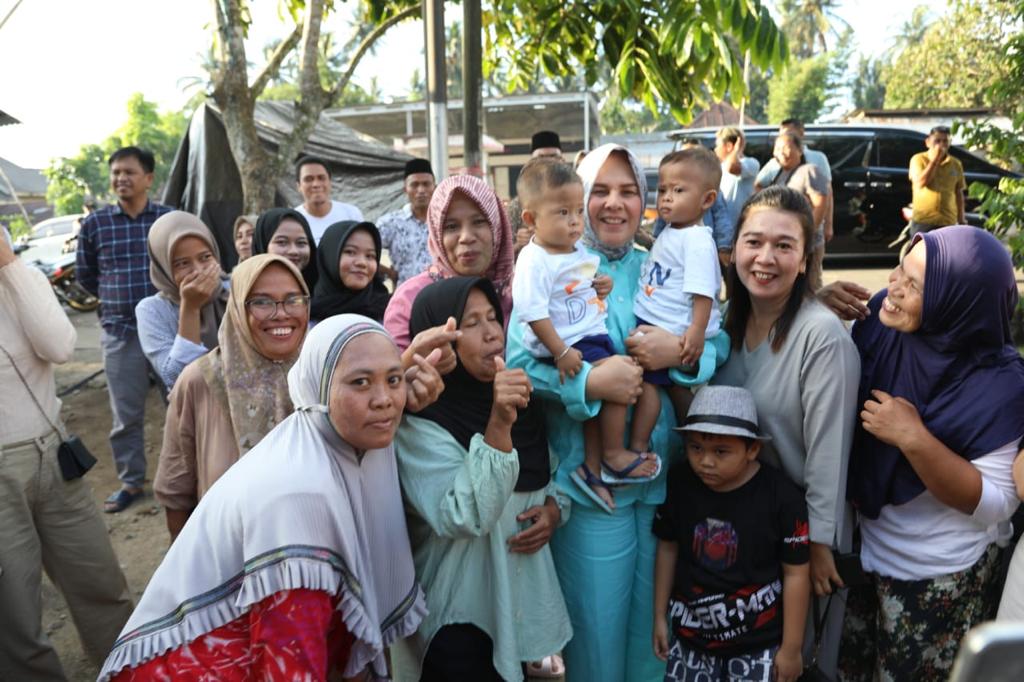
{"points": [[679, 285], [558, 295]]}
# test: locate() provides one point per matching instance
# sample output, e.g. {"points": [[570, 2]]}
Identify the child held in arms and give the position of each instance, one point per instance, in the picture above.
{"points": [[731, 577], [679, 285], [558, 294]]}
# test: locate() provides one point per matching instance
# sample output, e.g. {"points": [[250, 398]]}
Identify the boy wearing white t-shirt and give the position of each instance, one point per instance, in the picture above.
{"points": [[679, 284], [558, 294]]}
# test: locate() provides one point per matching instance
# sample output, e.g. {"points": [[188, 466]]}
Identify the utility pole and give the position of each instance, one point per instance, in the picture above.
{"points": [[437, 82], [472, 78]]}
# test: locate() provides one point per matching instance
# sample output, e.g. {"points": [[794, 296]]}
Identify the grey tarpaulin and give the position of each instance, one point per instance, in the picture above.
{"points": [[204, 179]]}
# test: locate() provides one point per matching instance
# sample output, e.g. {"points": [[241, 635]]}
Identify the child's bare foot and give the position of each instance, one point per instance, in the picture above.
{"points": [[622, 459]]}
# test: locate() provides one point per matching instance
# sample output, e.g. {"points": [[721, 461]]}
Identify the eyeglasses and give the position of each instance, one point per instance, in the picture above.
{"points": [[263, 308]]}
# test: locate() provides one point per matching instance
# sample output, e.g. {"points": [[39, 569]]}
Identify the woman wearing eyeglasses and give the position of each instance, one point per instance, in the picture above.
{"points": [[226, 401]]}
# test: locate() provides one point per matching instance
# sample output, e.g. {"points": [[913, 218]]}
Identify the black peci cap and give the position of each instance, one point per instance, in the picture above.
{"points": [[413, 166], [545, 138]]}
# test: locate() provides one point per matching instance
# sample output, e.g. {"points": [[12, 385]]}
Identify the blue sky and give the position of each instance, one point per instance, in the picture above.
{"points": [[70, 65]]}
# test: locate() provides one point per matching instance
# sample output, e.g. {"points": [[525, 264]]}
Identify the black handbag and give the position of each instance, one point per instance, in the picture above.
{"points": [[73, 458], [812, 673]]}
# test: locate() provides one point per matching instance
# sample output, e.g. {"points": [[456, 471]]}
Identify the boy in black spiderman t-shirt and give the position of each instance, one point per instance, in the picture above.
{"points": [[732, 565]]}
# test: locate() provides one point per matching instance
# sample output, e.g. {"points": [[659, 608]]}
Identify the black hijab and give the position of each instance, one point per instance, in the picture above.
{"points": [[464, 407], [331, 296], [266, 226]]}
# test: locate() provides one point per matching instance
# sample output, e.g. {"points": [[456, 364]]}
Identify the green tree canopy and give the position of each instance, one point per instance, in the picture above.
{"points": [[962, 55], [800, 91], [73, 179], [1004, 205]]}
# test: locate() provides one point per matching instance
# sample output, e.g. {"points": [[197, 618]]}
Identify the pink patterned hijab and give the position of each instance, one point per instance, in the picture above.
{"points": [[499, 272]]}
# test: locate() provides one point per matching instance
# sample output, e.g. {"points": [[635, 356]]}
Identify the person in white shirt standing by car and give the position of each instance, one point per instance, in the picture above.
{"points": [[738, 174], [319, 209]]}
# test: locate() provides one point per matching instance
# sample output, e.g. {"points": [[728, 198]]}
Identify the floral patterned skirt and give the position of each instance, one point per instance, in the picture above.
{"points": [[911, 629], [291, 635]]}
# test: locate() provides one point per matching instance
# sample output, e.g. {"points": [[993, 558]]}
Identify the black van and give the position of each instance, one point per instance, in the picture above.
{"points": [[870, 167]]}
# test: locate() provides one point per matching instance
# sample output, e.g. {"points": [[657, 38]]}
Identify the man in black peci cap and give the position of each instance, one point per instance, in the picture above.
{"points": [[546, 144], [404, 232]]}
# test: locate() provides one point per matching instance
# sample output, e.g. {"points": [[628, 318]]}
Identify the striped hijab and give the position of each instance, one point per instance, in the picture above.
{"points": [[499, 272]]}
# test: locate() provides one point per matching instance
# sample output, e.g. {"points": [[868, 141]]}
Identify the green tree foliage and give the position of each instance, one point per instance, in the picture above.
{"points": [[1004, 204], [957, 62], [72, 180], [668, 53], [808, 24], [867, 87], [800, 91]]}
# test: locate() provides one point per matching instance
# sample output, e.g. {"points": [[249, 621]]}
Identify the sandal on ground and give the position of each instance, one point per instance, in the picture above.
{"points": [[585, 484], [622, 476], [120, 500], [548, 668]]}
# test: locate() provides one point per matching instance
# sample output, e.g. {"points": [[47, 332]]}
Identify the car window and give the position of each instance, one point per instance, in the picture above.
{"points": [[759, 147], [972, 163], [895, 150], [843, 151], [53, 227]]}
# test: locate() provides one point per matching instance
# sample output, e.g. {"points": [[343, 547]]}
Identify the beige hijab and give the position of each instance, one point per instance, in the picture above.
{"points": [[252, 389], [165, 233]]}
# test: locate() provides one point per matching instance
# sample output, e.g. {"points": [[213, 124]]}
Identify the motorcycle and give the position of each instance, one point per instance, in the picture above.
{"points": [[61, 273]]}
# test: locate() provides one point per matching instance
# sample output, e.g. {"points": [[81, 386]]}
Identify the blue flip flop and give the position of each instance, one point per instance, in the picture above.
{"points": [[622, 476], [584, 485], [120, 500]]}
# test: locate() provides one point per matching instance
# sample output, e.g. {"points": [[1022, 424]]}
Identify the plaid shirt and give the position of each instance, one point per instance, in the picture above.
{"points": [[113, 262]]}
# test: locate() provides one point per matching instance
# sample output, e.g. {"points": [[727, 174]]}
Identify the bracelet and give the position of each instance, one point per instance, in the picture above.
{"points": [[563, 353]]}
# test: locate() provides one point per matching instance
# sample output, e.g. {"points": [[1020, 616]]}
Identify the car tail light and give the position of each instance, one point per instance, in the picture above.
{"points": [[57, 272]]}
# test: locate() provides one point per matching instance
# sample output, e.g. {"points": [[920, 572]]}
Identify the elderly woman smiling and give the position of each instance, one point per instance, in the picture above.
{"points": [[942, 394]]}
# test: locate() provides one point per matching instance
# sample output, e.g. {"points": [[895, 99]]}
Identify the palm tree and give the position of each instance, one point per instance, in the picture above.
{"points": [[911, 32], [808, 24]]}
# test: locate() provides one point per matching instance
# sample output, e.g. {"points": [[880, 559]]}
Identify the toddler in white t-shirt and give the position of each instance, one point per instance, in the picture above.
{"points": [[679, 285], [558, 295]]}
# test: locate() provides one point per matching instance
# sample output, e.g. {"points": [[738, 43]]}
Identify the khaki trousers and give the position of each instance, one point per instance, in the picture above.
{"points": [[47, 522]]}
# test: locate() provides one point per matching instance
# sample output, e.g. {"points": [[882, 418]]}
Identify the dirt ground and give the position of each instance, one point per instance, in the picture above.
{"points": [[138, 534]]}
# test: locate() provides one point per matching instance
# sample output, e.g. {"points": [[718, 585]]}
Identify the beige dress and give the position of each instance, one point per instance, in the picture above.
{"points": [[199, 443]]}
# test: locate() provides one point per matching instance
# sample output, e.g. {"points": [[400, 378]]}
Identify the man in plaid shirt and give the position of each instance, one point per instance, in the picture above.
{"points": [[113, 263]]}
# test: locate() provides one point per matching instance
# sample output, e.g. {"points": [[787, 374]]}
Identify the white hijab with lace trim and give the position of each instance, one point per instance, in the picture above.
{"points": [[301, 510]]}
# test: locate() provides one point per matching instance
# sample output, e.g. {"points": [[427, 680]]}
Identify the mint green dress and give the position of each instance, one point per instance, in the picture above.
{"points": [[461, 510]]}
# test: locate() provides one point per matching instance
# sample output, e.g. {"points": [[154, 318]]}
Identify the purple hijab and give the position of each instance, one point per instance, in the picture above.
{"points": [[960, 369]]}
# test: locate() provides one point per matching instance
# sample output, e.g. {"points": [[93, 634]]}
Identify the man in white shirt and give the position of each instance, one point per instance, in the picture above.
{"points": [[812, 156], [320, 210], [738, 171]]}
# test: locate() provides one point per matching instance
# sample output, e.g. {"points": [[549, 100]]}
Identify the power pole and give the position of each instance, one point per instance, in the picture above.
{"points": [[472, 80], [437, 81]]}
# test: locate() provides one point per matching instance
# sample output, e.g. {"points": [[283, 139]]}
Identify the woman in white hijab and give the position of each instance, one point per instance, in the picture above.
{"points": [[296, 563]]}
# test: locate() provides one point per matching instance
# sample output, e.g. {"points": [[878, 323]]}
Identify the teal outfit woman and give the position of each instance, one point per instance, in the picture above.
{"points": [[605, 562], [463, 497]]}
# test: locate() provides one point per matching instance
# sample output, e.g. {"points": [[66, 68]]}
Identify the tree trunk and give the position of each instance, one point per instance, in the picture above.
{"points": [[259, 169]]}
